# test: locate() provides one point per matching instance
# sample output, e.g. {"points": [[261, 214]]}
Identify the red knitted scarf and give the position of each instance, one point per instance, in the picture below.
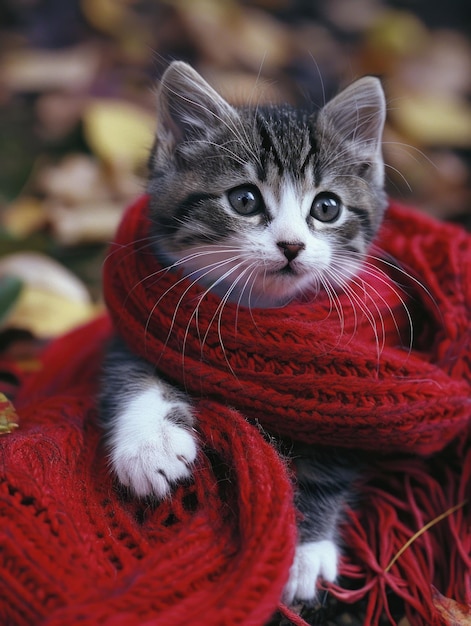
{"points": [[311, 371], [75, 549]]}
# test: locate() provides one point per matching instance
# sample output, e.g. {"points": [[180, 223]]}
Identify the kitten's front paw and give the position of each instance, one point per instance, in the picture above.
{"points": [[312, 560], [150, 462]]}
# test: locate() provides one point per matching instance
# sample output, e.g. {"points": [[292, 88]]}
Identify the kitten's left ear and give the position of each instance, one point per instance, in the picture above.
{"points": [[357, 114]]}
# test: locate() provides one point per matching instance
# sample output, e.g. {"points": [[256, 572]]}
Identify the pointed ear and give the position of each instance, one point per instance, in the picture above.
{"points": [[187, 106], [357, 114]]}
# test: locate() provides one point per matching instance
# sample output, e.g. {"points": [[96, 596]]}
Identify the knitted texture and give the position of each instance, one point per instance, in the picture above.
{"points": [[317, 372], [75, 548]]}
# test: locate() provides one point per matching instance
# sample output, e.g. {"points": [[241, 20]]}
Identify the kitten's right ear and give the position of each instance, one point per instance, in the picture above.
{"points": [[358, 113], [188, 106]]}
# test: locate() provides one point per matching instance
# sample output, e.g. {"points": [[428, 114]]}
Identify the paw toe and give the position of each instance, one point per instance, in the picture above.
{"points": [[151, 465], [313, 560]]}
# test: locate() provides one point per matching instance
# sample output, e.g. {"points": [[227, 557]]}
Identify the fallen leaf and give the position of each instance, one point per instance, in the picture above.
{"points": [[397, 33], [452, 613], [23, 217], [118, 131], [394, 36], [52, 300], [434, 121], [8, 416], [46, 314], [38, 270], [263, 40]]}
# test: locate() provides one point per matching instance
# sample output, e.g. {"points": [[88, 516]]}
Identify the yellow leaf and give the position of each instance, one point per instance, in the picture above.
{"points": [[40, 271], [52, 300], [397, 33], [434, 120], [118, 131], [8, 416], [46, 314], [24, 217]]}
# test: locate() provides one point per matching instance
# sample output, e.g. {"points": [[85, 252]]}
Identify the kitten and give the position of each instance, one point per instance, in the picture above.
{"points": [[261, 204]]}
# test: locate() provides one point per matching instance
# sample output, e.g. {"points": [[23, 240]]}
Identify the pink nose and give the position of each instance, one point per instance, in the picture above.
{"points": [[290, 250]]}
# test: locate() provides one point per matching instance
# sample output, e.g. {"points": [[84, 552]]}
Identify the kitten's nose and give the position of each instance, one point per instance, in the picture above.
{"points": [[290, 250]]}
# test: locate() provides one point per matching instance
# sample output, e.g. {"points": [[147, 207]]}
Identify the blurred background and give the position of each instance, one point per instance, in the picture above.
{"points": [[77, 80]]}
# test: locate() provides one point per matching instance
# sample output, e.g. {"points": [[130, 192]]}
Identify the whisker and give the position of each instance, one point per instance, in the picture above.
{"points": [[199, 277], [253, 268], [408, 275], [354, 297], [321, 80], [219, 308], [223, 303], [335, 302], [373, 271], [400, 174], [150, 240], [179, 262]]}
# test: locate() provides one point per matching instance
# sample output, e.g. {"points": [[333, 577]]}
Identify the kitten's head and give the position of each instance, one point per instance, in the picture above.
{"points": [[262, 204]]}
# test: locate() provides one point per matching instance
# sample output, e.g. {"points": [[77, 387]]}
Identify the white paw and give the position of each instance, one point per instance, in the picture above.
{"points": [[149, 453], [312, 560]]}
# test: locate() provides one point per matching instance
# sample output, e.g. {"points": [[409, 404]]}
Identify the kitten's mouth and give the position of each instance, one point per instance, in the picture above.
{"points": [[286, 270]]}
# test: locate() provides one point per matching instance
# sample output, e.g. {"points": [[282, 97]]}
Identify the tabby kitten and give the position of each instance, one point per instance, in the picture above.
{"points": [[260, 205]]}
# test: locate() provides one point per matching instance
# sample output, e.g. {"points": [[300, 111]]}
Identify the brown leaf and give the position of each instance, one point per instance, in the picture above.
{"points": [[8, 416]]}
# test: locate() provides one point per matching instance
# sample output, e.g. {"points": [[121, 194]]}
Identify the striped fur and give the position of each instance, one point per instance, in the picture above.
{"points": [[259, 205]]}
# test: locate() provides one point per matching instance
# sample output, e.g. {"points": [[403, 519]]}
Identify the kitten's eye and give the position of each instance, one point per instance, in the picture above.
{"points": [[246, 200], [326, 207]]}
